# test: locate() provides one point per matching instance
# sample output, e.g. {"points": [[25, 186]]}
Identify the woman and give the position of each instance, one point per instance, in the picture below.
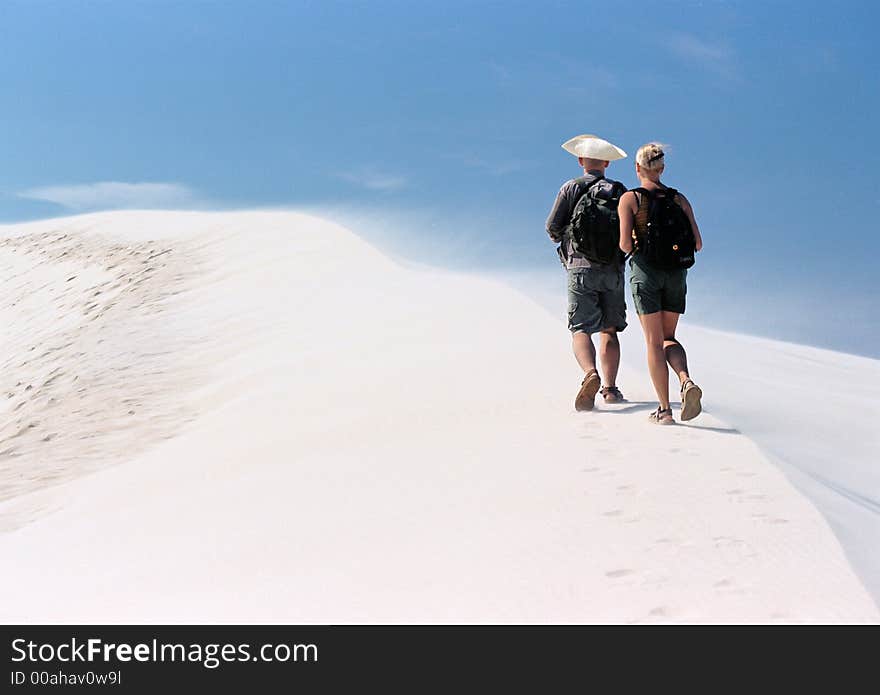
{"points": [[659, 288]]}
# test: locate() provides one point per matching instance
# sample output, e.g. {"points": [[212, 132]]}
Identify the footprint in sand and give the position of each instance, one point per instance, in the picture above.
{"points": [[728, 586]]}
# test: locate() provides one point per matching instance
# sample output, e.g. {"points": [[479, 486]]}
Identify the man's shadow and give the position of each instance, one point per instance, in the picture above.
{"points": [[626, 407]]}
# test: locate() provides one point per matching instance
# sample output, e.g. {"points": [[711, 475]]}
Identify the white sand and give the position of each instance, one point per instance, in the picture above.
{"points": [[272, 422]]}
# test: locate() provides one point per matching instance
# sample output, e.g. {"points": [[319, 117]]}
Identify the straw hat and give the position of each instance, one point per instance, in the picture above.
{"points": [[593, 147]]}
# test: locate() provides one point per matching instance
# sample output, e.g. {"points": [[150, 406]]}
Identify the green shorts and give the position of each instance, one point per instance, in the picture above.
{"points": [[656, 290], [595, 299]]}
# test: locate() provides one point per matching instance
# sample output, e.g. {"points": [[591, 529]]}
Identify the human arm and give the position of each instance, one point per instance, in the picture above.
{"points": [[560, 215], [626, 211]]}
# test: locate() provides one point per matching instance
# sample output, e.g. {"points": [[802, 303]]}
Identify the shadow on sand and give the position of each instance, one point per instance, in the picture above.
{"points": [[626, 407], [646, 406], [720, 430]]}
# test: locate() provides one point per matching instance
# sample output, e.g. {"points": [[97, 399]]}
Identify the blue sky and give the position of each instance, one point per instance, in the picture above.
{"points": [[437, 127]]}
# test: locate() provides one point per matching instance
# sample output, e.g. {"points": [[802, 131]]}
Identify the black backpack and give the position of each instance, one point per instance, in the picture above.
{"points": [[595, 227], [668, 241]]}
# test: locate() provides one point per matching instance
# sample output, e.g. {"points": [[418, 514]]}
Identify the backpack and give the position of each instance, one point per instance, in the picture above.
{"points": [[668, 240], [595, 227]]}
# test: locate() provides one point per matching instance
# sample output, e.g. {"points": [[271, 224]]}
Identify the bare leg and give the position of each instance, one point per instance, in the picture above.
{"points": [[584, 351], [675, 354], [609, 356], [652, 325]]}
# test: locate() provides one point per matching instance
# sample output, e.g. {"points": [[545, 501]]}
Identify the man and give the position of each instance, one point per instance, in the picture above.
{"points": [[596, 302]]}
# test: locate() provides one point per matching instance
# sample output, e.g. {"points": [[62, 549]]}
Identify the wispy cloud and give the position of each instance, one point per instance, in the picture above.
{"points": [[113, 195], [373, 180], [717, 57], [496, 167]]}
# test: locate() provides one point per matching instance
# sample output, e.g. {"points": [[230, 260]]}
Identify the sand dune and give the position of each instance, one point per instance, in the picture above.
{"points": [[90, 366], [258, 417]]}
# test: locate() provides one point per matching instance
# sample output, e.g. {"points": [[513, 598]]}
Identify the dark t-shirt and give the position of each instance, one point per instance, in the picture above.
{"points": [[560, 216]]}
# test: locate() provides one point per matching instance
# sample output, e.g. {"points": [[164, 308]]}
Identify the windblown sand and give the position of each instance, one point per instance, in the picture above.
{"points": [[257, 417]]}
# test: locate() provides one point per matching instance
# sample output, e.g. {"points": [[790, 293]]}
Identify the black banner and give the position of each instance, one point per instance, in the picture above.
{"points": [[170, 659]]}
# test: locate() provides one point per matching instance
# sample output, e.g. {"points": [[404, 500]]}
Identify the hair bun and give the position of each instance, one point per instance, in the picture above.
{"points": [[650, 156]]}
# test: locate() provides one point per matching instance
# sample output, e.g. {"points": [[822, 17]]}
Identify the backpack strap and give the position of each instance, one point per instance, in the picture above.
{"points": [[643, 212], [584, 185], [588, 183], [638, 192]]}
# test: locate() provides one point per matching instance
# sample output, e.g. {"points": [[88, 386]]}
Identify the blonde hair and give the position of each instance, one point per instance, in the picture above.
{"points": [[650, 157]]}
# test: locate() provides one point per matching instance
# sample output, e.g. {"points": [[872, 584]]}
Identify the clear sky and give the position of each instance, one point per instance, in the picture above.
{"points": [[438, 126]]}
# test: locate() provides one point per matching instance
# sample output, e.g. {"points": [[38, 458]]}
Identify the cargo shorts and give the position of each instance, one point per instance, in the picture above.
{"points": [[655, 289], [596, 301]]}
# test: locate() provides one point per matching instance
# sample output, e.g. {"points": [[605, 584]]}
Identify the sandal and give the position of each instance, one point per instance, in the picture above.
{"points": [[662, 416], [589, 388], [612, 394], [690, 400]]}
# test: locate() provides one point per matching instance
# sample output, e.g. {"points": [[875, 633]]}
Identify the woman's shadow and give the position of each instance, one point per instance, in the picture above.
{"points": [[636, 406]]}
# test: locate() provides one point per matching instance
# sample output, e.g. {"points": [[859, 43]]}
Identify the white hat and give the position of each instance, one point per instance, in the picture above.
{"points": [[593, 147]]}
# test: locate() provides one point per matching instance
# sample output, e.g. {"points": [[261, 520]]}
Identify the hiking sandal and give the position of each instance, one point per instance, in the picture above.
{"points": [[690, 400], [612, 394], [586, 397], [661, 416]]}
